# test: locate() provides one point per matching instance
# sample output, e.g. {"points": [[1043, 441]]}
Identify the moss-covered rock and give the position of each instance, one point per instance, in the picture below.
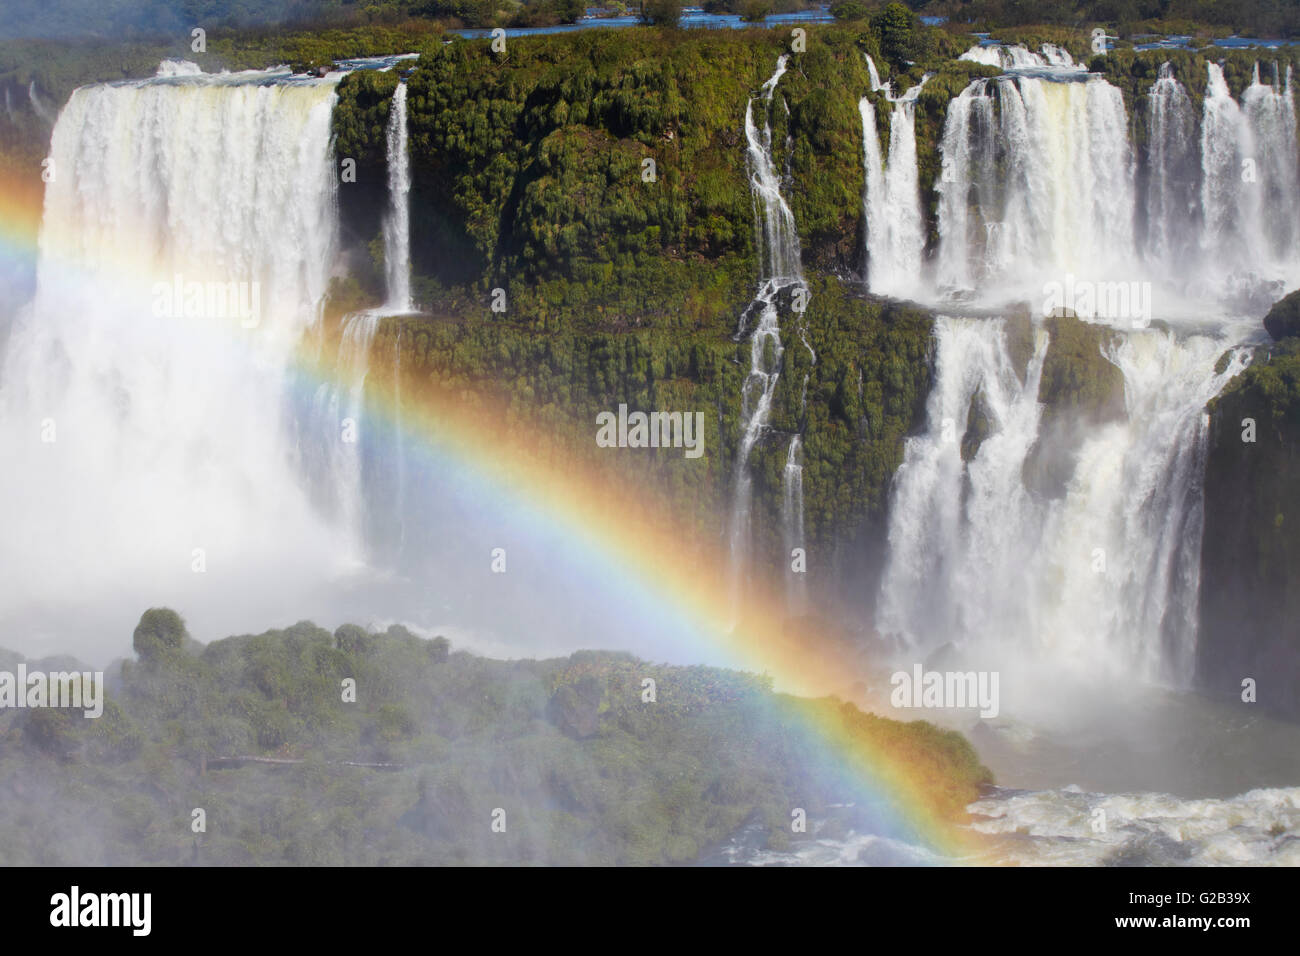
{"points": [[1080, 388], [1283, 320], [1251, 549]]}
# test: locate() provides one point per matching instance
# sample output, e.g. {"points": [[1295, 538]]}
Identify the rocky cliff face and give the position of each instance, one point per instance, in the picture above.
{"points": [[1250, 577], [601, 181]]}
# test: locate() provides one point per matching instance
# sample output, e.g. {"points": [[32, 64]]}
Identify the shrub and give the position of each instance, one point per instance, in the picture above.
{"points": [[160, 630]]}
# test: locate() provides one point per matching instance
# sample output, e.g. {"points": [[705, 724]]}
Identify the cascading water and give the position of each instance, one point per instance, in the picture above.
{"points": [[1099, 581], [892, 198], [339, 406], [792, 520], [1250, 188], [1058, 549], [1037, 183], [779, 239], [967, 153], [185, 249], [1170, 173], [1224, 138], [338, 413], [1269, 110], [1020, 58], [1040, 184], [397, 224], [780, 269], [873, 73]]}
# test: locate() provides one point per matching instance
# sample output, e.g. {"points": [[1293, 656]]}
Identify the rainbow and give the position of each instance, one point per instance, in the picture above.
{"points": [[626, 546], [20, 219], [623, 542]]}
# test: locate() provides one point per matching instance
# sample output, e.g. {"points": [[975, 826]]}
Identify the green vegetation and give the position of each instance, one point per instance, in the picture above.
{"points": [[1260, 18], [1078, 379], [411, 772], [1079, 388], [661, 13], [1251, 550], [861, 398], [528, 176]]}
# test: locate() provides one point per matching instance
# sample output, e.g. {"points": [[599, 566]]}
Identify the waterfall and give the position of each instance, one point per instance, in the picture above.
{"points": [[1017, 57], [792, 520], [1250, 187], [147, 393], [876, 85], [338, 416], [1222, 136], [780, 269], [39, 108], [1103, 579], [397, 224], [1269, 114], [339, 406], [779, 240], [1040, 184], [892, 199], [967, 154], [1057, 57], [1037, 183], [1171, 173]]}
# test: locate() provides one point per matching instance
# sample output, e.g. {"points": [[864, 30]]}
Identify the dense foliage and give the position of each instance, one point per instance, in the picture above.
{"points": [[585, 770], [1260, 18]]}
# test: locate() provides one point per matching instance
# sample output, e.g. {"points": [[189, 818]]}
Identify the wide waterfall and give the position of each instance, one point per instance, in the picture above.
{"points": [[1042, 189], [1250, 190], [1020, 58], [1037, 183], [1100, 580], [781, 269], [1040, 184], [148, 391]]}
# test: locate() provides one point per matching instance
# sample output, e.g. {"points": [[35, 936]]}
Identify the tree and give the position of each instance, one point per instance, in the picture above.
{"points": [[895, 26], [569, 11], [849, 10], [662, 13], [351, 639], [160, 630]]}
